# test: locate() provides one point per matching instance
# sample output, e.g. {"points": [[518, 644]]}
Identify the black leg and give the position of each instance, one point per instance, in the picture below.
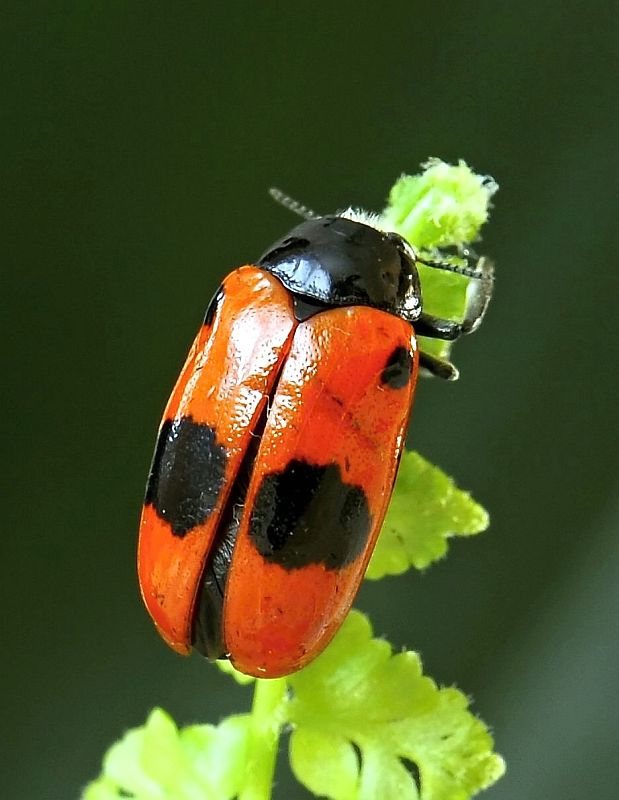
{"points": [[479, 292], [438, 366], [437, 328]]}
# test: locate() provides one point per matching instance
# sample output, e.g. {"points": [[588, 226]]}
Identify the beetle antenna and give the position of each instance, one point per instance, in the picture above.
{"points": [[291, 204], [483, 270]]}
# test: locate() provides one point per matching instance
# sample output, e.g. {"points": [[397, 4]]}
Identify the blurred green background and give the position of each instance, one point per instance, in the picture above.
{"points": [[138, 141]]}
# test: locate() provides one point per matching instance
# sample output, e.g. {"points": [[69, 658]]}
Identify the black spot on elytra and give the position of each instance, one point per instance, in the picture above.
{"points": [[213, 306], [397, 371], [307, 514], [413, 770], [187, 474]]}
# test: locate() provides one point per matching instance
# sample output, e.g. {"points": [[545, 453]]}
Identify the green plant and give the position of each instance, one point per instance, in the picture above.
{"points": [[364, 722]]}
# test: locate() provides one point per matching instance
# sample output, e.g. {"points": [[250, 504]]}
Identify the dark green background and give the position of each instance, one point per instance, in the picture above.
{"points": [[138, 141]]}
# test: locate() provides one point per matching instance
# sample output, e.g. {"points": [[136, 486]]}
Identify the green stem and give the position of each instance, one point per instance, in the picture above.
{"points": [[267, 718]]}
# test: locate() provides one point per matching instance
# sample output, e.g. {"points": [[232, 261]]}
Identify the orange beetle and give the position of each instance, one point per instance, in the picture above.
{"points": [[279, 446]]}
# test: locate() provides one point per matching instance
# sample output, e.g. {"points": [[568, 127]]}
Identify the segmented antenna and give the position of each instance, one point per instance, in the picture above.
{"points": [[291, 204], [483, 270]]}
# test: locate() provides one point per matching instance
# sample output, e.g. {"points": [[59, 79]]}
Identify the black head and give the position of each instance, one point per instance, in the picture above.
{"points": [[340, 262]]}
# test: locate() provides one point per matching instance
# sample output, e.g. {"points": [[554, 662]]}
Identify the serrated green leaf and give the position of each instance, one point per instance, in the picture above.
{"points": [[385, 776], [328, 763], [426, 509], [405, 727], [159, 762], [444, 205]]}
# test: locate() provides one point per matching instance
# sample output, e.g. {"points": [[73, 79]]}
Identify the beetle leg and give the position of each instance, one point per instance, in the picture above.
{"points": [[478, 294], [437, 328], [439, 367]]}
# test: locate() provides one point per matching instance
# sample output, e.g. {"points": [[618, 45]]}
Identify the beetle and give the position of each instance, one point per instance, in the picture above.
{"points": [[279, 446]]}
